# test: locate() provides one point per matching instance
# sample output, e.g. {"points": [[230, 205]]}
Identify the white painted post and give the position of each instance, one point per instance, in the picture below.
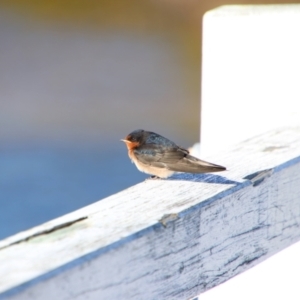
{"points": [[250, 84], [250, 72]]}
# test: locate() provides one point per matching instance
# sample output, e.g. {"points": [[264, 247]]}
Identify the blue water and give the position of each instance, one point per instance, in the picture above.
{"points": [[42, 183]]}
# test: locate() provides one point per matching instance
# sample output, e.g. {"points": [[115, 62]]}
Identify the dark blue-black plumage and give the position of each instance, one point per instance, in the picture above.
{"points": [[155, 154]]}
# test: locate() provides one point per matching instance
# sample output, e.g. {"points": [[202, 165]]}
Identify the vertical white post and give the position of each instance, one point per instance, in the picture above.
{"points": [[250, 72]]}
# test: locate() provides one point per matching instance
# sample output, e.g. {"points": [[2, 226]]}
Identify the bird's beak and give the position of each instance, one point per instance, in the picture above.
{"points": [[125, 141]]}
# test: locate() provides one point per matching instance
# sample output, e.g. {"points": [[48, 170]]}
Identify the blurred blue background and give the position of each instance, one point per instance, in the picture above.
{"points": [[77, 76]]}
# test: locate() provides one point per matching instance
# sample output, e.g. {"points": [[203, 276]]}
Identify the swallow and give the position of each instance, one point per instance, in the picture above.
{"points": [[158, 156]]}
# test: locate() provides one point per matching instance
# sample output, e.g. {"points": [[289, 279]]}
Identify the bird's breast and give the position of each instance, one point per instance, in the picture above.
{"points": [[148, 169]]}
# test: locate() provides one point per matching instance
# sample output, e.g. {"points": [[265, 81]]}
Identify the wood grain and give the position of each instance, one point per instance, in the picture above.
{"points": [[165, 239]]}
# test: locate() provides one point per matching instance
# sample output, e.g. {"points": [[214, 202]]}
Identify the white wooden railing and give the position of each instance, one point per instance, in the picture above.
{"points": [[176, 238]]}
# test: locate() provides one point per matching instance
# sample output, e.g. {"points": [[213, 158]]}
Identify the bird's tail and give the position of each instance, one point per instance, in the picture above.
{"points": [[191, 164]]}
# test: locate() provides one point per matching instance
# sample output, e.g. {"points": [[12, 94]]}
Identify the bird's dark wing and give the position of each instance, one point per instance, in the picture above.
{"points": [[174, 158], [191, 164], [158, 156]]}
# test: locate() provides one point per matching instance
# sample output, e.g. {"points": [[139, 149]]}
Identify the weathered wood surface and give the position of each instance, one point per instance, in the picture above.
{"points": [[165, 239], [250, 84], [275, 278]]}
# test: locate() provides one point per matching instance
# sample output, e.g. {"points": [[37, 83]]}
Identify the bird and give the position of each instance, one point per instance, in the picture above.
{"points": [[158, 156]]}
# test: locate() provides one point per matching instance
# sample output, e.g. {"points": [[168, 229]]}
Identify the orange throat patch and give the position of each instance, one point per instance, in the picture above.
{"points": [[131, 145]]}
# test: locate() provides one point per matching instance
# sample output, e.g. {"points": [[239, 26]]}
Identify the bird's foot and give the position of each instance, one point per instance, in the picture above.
{"points": [[153, 177]]}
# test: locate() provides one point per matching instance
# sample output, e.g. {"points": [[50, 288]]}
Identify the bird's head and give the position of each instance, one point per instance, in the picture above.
{"points": [[135, 139]]}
